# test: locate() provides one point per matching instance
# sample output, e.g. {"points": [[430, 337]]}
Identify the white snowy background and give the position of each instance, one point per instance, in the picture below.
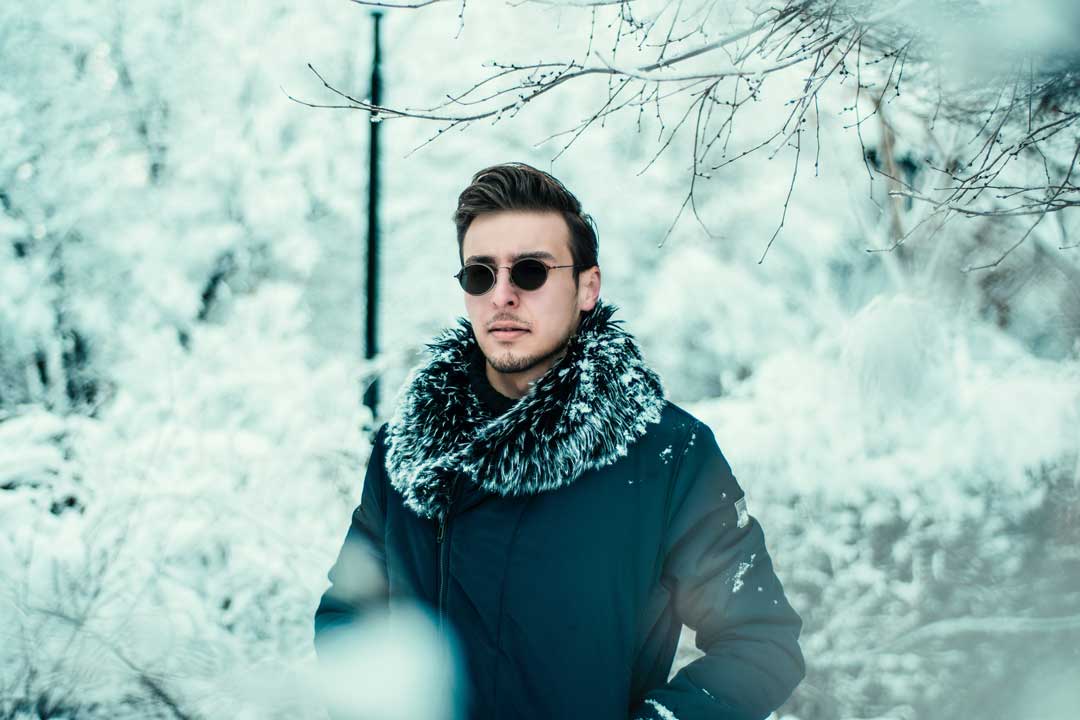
{"points": [[181, 438]]}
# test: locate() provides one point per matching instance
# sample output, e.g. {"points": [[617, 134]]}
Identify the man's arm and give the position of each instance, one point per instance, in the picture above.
{"points": [[724, 588], [358, 576]]}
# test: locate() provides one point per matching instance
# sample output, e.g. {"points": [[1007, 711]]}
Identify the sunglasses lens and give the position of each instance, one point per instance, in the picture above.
{"points": [[529, 274], [476, 279]]}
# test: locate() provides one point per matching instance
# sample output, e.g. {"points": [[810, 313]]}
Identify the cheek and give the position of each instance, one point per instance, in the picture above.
{"points": [[472, 307]]}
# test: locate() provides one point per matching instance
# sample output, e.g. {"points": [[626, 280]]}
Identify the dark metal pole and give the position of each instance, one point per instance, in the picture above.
{"points": [[371, 336]]}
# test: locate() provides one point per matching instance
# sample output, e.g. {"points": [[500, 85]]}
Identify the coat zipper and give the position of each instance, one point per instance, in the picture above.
{"points": [[444, 551]]}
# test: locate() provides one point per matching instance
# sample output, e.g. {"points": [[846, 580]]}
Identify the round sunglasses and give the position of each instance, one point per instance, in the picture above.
{"points": [[525, 274]]}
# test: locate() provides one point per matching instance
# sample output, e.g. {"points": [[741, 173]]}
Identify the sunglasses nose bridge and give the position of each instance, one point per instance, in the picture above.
{"points": [[508, 284]]}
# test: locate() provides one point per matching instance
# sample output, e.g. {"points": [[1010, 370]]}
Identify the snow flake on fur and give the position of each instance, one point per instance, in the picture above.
{"points": [[582, 414]]}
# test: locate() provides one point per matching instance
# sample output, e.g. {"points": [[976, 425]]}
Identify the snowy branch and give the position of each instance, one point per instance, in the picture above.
{"points": [[1019, 105]]}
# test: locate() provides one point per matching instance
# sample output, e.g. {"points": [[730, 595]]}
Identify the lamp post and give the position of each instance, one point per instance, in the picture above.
{"points": [[371, 336]]}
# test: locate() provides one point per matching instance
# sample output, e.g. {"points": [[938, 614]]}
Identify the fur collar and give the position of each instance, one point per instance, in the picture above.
{"points": [[582, 414]]}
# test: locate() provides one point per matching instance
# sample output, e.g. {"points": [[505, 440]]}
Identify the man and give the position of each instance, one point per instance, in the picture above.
{"points": [[563, 519]]}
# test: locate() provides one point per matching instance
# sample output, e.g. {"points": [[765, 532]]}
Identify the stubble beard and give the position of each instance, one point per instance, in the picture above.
{"points": [[509, 363]]}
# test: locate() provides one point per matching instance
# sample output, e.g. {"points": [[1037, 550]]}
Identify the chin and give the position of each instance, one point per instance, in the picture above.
{"points": [[506, 361], [511, 360]]}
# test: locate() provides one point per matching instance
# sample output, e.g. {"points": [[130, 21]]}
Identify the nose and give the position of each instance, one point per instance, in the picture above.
{"points": [[504, 293]]}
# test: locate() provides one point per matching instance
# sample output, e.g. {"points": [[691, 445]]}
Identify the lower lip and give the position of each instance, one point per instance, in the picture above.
{"points": [[508, 334]]}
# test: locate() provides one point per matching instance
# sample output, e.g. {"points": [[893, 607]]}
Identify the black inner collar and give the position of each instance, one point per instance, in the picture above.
{"points": [[492, 399]]}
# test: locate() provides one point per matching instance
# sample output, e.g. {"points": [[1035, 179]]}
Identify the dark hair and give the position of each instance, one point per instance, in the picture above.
{"points": [[517, 186]]}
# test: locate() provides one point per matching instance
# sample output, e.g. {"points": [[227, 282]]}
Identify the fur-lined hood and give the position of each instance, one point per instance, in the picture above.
{"points": [[582, 414]]}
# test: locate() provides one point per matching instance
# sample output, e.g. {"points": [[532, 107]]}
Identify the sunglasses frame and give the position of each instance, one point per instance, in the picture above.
{"points": [[494, 269]]}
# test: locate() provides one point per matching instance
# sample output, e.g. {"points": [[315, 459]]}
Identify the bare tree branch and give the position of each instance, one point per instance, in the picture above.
{"points": [[1025, 104]]}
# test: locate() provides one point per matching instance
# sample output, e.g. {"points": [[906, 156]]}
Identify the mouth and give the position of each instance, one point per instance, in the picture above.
{"points": [[508, 333]]}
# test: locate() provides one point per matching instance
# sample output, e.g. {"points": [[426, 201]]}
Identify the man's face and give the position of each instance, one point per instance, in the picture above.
{"points": [[547, 316]]}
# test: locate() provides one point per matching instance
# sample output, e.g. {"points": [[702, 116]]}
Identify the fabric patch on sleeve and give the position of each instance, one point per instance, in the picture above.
{"points": [[740, 510]]}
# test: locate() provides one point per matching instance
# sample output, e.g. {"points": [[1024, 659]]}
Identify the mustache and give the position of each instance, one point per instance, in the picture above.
{"points": [[515, 321]]}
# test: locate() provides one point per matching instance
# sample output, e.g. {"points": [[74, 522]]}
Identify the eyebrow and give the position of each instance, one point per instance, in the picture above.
{"points": [[539, 254]]}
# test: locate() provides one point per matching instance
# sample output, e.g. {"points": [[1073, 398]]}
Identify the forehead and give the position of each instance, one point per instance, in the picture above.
{"points": [[508, 234]]}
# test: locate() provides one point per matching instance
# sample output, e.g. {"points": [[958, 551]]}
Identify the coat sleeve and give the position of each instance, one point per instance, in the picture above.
{"points": [[358, 576], [724, 588]]}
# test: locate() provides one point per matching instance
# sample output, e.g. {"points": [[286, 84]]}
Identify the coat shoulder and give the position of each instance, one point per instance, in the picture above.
{"points": [[377, 457], [689, 437], [669, 437], [676, 423]]}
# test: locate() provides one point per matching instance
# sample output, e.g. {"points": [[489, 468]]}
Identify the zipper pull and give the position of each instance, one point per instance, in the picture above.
{"points": [[446, 511]]}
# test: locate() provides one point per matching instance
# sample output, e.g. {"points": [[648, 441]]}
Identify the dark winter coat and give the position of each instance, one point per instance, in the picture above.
{"points": [[567, 541]]}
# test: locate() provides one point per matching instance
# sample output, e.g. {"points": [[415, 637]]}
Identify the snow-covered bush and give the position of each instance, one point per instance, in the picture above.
{"points": [[916, 477]]}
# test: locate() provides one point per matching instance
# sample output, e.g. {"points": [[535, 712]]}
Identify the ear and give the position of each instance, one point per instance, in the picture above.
{"points": [[588, 288]]}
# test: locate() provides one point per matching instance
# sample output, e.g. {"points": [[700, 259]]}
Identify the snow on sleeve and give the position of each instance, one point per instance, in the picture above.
{"points": [[662, 711], [737, 580]]}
